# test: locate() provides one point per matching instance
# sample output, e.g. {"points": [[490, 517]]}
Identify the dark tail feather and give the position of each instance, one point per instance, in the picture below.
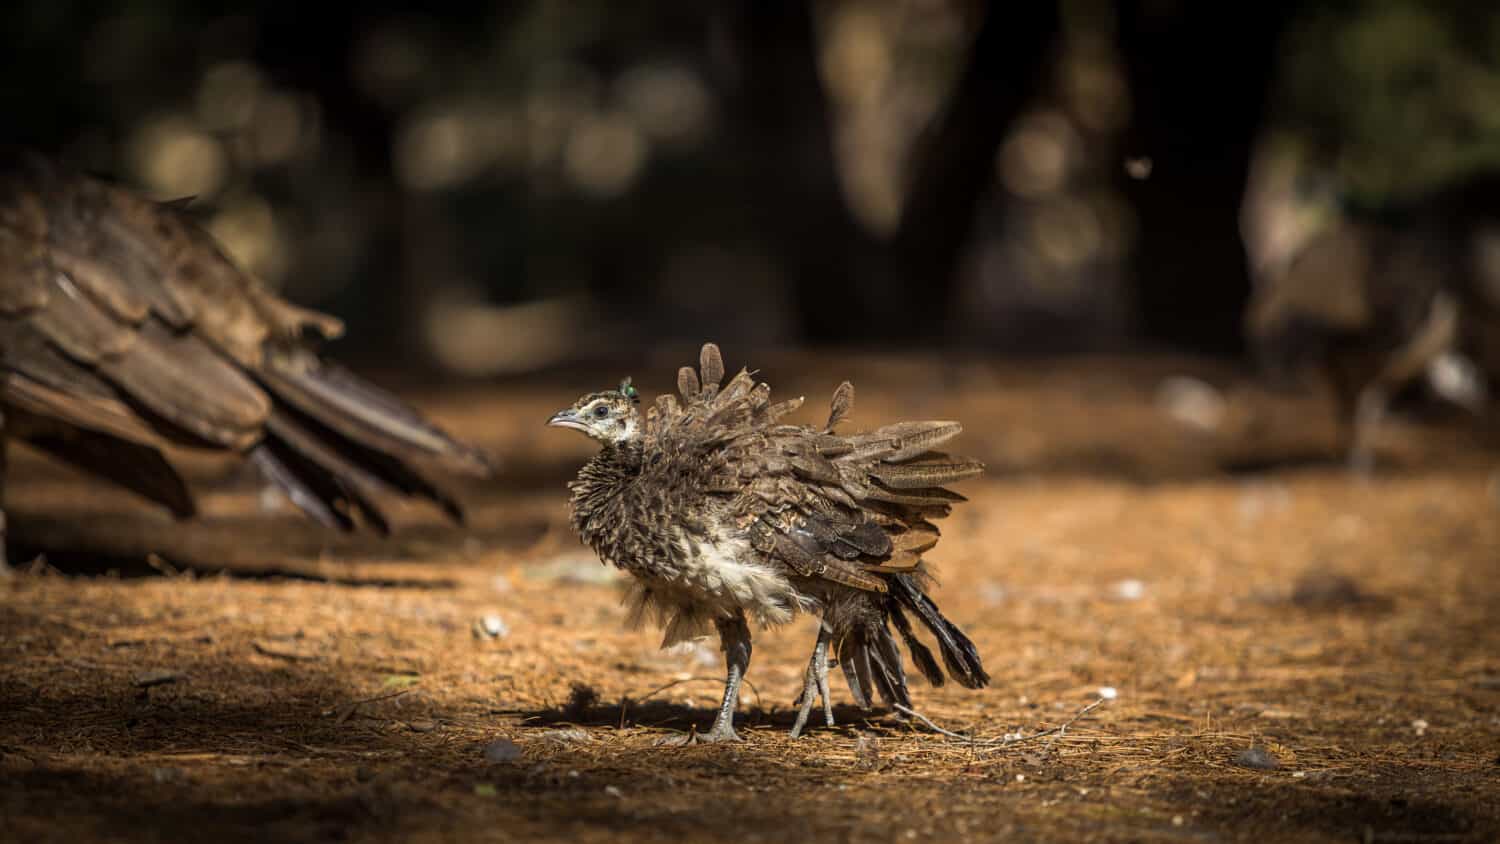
{"points": [[959, 654], [138, 468], [854, 658], [337, 445], [308, 494], [920, 654], [364, 414], [365, 473], [341, 485], [872, 666], [890, 673]]}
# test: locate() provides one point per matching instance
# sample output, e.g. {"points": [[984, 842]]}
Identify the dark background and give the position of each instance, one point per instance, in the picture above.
{"points": [[484, 189]]}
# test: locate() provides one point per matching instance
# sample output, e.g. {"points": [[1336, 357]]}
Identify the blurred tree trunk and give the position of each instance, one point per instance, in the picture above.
{"points": [[1199, 74], [785, 132], [849, 286], [315, 53], [953, 164]]}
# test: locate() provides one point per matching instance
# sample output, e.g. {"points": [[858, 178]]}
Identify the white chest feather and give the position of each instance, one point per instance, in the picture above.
{"points": [[726, 570], [715, 579]]}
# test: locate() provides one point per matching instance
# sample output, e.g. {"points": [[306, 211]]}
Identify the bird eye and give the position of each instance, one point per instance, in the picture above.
{"points": [[601, 411]]}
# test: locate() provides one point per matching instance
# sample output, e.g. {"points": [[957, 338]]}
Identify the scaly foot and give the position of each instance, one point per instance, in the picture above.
{"points": [[714, 736], [720, 733], [815, 686]]}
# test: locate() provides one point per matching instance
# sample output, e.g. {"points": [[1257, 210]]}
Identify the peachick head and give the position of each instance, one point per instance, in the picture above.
{"points": [[612, 417]]}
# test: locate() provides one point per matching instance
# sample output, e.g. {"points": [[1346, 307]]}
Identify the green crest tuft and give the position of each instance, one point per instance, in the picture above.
{"points": [[629, 391]]}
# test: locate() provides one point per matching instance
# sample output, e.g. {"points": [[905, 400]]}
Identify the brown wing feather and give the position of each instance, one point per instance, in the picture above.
{"points": [[120, 315], [847, 509], [80, 410], [182, 379]]}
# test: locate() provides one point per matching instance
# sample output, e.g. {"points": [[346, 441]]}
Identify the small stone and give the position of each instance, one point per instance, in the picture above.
{"points": [[704, 656], [1177, 820], [1257, 758], [1108, 692], [1259, 498], [614, 792], [271, 499], [422, 725], [1191, 402], [992, 593], [1129, 589], [491, 626], [155, 677], [502, 750], [698, 652]]}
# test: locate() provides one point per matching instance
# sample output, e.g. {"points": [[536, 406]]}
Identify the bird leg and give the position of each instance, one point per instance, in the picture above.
{"points": [[1369, 413], [1434, 338], [816, 684], [734, 638]]}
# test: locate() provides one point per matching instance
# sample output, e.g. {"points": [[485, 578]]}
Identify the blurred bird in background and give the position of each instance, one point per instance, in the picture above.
{"points": [[724, 515], [124, 329], [1378, 297]]}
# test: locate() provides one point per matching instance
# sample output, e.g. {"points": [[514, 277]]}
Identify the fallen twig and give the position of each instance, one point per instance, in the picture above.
{"points": [[1006, 739], [271, 650], [346, 710]]}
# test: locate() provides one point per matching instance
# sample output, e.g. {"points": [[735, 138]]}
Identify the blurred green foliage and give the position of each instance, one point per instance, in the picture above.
{"points": [[1397, 96]]}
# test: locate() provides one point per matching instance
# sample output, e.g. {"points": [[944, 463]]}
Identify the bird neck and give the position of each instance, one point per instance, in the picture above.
{"points": [[597, 510], [622, 458]]}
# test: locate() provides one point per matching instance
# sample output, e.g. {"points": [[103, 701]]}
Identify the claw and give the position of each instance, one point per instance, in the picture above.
{"points": [[715, 736]]}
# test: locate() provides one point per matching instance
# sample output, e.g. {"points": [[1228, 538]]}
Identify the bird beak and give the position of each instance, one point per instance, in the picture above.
{"points": [[567, 419]]}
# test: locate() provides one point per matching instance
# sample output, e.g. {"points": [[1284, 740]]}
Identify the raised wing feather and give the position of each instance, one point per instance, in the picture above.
{"points": [[847, 509]]}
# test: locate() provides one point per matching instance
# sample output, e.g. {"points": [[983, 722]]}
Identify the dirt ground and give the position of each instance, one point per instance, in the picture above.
{"points": [[1294, 654]]}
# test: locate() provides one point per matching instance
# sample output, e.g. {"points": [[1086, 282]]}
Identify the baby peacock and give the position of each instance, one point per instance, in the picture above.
{"points": [[723, 514]]}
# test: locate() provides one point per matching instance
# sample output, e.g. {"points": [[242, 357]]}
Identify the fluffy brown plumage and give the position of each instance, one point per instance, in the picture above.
{"points": [[123, 329], [723, 513]]}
